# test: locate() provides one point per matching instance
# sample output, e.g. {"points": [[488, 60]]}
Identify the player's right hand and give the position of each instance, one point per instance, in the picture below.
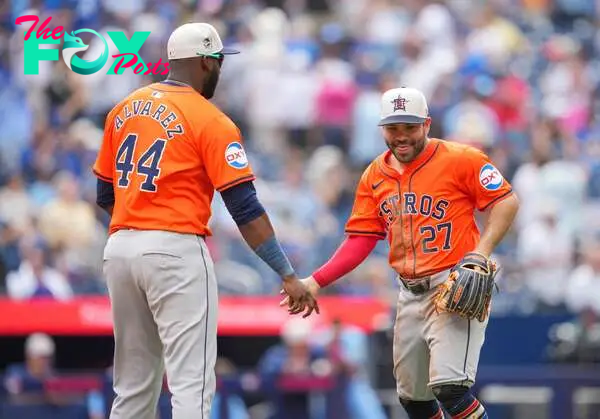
{"points": [[312, 284], [300, 296]]}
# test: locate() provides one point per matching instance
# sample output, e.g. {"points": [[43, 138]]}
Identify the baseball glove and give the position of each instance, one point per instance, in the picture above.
{"points": [[468, 289]]}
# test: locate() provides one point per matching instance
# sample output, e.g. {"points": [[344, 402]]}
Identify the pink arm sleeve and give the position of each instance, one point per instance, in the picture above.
{"points": [[351, 253]]}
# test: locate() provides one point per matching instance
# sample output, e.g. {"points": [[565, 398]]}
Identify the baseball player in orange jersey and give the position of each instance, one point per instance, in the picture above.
{"points": [[422, 195], [166, 149]]}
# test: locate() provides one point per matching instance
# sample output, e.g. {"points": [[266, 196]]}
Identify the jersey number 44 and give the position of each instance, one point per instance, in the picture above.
{"points": [[147, 165]]}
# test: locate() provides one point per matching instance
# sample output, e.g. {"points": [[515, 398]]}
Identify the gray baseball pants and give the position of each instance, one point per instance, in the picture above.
{"points": [[433, 348], [163, 293]]}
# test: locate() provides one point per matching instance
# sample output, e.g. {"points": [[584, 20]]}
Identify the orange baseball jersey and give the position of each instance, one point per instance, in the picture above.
{"points": [[166, 149], [428, 211]]}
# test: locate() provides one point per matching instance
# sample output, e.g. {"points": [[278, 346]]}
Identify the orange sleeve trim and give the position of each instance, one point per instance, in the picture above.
{"points": [[366, 233], [247, 178], [496, 200], [101, 177]]}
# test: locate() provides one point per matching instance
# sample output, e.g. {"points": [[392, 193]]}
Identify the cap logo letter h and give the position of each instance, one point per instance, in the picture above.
{"points": [[399, 103]]}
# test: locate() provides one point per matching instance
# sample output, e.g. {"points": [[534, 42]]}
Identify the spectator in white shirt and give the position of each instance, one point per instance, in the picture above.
{"points": [[583, 290], [35, 278], [546, 252]]}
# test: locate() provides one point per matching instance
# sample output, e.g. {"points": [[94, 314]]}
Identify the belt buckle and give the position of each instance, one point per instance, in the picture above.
{"points": [[420, 286]]}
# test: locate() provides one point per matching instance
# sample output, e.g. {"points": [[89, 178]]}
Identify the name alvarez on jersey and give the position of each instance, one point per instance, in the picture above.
{"points": [[156, 111]]}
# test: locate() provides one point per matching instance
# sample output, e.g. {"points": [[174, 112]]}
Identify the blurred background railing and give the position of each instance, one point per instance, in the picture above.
{"points": [[536, 367]]}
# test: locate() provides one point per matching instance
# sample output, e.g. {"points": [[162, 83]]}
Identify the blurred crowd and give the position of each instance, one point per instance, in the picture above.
{"points": [[312, 371], [516, 78]]}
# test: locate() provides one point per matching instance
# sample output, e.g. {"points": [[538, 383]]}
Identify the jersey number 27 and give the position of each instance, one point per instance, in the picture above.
{"points": [[147, 165]]}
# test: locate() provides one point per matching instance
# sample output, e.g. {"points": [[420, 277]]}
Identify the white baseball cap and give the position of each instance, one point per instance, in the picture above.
{"points": [[194, 40], [403, 105], [39, 344], [296, 331]]}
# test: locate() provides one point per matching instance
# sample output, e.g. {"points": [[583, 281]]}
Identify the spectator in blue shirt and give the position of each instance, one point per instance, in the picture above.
{"points": [[26, 381], [348, 351]]}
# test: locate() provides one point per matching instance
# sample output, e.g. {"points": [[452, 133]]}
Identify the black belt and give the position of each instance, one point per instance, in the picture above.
{"points": [[420, 286]]}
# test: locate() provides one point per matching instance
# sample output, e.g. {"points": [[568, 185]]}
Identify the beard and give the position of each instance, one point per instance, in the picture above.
{"points": [[210, 85], [407, 151]]}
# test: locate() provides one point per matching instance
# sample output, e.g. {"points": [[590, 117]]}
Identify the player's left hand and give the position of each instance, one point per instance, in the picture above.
{"points": [[295, 306], [468, 290]]}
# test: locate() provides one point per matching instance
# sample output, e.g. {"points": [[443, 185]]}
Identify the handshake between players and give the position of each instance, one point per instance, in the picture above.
{"points": [[300, 295]]}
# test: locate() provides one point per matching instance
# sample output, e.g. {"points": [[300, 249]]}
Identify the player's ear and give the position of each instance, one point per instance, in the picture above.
{"points": [[205, 64], [427, 125]]}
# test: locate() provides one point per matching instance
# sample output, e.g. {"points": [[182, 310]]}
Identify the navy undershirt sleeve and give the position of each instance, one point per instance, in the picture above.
{"points": [[105, 194], [242, 203]]}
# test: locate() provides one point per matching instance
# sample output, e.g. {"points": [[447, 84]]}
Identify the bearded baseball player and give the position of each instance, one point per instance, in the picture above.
{"points": [[166, 149], [422, 195]]}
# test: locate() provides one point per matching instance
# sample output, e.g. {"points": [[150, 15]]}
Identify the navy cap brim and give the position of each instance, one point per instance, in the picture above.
{"points": [[229, 51], [402, 119]]}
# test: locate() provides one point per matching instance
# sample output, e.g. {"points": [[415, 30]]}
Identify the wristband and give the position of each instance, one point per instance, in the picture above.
{"points": [[272, 254]]}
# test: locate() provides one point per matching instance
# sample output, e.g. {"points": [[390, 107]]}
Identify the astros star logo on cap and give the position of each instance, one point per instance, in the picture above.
{"points": [[399, 103]]}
